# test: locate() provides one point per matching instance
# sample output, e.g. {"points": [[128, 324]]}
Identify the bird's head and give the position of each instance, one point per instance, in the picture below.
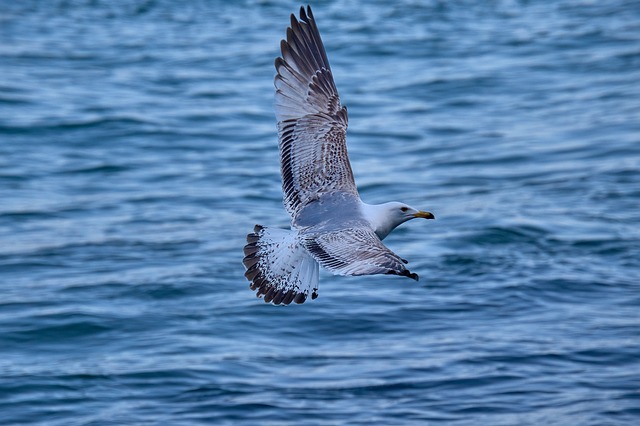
{"points": [[385, 217], [403, 212]]}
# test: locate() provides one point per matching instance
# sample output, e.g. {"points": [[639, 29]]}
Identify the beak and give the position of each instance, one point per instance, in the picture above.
{"points": [[424, 215]]}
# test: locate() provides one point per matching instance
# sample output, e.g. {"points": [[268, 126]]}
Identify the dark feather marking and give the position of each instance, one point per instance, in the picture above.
{"points": [[250, 249], [287, 51], [277, 298], [289, 297], [304, 41], [269, 296], [315, 248], [262, 290], [250, 260], [259, 281], [404, 273], [252, 272]]}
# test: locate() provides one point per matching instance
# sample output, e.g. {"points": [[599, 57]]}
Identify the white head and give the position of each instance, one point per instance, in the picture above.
{"points": [[386, 217]]}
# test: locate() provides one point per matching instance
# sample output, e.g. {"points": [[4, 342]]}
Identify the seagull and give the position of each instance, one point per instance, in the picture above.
{"points": [[330, 225]]}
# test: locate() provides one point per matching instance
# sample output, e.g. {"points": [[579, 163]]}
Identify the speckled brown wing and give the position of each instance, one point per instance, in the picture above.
{"points": [[312, 124], [355, 251]]}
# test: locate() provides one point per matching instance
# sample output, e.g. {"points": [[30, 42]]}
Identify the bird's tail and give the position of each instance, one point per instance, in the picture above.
{"points": [[279, 267]]}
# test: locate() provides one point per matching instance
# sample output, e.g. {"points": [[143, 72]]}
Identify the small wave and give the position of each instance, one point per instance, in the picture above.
{"points": [[83, 124]]}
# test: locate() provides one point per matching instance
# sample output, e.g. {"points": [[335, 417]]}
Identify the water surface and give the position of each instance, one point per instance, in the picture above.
{"points": [[138, 147]]}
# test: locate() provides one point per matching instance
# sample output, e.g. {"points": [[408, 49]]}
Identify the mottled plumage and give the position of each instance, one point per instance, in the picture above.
{"points": [[330, 225]]}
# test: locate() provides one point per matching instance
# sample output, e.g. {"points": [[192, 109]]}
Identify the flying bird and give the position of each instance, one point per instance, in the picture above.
{"points": [[330, 225]]}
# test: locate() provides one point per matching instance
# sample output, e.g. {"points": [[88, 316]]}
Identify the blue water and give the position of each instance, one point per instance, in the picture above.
{"points": [[138, 147]]}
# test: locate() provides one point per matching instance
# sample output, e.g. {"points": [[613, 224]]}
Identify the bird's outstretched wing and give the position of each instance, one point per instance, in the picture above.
{"points": [[356, 251], [312, 124]]}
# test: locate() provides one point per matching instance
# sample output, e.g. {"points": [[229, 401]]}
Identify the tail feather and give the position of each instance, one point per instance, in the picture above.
{"points": [[278, 267]]}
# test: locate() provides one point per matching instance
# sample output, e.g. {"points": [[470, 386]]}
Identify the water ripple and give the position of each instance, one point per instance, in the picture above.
{"points": [[138, 147]]}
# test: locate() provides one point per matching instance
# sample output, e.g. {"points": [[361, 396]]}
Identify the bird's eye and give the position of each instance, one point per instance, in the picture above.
{"points": [[404, 209]]}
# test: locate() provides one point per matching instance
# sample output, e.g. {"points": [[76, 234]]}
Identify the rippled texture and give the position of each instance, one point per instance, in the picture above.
{"points": [[138, 147]]}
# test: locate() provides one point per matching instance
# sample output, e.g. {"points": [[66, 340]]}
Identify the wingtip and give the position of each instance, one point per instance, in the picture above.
{"points": [[405, 273]]}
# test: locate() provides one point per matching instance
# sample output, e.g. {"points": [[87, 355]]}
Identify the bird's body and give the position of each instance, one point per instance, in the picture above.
{"points": [[330, 225]]}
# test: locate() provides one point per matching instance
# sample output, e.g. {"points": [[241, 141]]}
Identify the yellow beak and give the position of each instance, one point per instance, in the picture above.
{"points": [[424, 215]]}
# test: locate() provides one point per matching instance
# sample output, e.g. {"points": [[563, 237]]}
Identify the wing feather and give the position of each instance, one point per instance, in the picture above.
{"points": [[312, 123], [356, 251]]}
